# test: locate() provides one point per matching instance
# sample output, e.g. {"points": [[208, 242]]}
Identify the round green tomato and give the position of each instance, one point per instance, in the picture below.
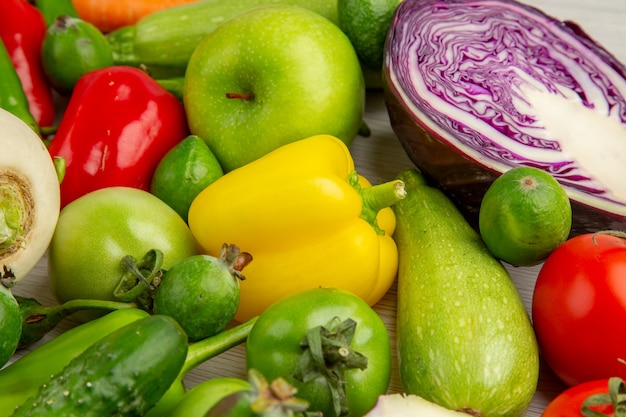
{"points": [[97, 230], [201, 398], [273, 347], [200, 293]]}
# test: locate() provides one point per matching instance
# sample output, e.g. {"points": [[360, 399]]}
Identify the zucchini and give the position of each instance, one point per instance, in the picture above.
{"points": [[465, 340], [164, 40], [123, 374]]}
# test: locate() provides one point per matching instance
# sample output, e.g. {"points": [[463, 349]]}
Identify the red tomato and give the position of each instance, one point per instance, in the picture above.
{"points": [[579, 308], [570, 401]]}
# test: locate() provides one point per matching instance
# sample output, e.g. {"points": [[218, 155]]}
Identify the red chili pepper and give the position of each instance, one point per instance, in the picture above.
{"points": [[118, 124], [22, 29]]}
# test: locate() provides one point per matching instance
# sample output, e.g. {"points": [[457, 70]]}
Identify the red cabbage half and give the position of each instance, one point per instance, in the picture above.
{"points": [[476, 87]]}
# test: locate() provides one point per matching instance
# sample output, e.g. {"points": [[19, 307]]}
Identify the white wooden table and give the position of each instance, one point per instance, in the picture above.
{"points": [[379, 158]]}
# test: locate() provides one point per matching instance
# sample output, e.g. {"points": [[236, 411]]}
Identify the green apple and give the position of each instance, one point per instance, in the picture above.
{"points": [[272, 76]]}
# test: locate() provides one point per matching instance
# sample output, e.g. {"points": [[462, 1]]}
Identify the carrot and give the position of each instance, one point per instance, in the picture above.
{"points": [[108, 15]]}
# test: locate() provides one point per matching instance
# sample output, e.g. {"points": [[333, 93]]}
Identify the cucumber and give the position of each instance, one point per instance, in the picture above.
{"points": [[465, 340], [164, 40], [123, 374]]}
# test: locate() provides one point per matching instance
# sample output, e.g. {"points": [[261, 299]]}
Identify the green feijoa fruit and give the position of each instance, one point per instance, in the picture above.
{"points": [[202, 292], [524, 216], [366, 23], [71, 47], [10, 324], [184, 171]]}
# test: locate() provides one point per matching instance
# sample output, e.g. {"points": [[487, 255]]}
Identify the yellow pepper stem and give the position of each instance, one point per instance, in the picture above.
{"points": [[377, 197]]}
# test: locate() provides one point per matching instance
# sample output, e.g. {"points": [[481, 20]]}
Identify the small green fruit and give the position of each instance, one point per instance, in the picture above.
{"points": [[366, 23], [184, 171], [202, 292], [70, 48], [524, 215]]}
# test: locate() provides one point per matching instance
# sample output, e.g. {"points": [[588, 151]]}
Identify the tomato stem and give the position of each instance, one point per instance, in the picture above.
{"points": [[616, 397], [327, 354], [139, 279]]}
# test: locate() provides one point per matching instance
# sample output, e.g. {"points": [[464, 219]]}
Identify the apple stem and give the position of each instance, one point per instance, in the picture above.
{"points": [[243, 96]]}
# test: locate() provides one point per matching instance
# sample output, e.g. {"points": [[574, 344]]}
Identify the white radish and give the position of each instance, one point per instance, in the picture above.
{"points": [[29, 198], [403, 405]]}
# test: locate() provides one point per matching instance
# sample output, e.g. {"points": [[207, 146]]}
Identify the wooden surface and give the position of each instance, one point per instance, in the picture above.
{"points": [[380, 158]]}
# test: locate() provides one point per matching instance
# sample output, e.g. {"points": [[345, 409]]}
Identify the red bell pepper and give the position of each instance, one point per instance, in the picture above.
{"points": [[118, 124], [22, 29]]}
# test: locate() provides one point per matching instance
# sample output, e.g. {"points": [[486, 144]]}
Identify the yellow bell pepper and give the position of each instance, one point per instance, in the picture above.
{"points": [[308, 220]]}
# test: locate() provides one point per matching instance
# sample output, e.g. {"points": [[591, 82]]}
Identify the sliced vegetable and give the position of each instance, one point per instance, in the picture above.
{"points": [[476, 87], [402, 405], [29, 198], [308, 219]]}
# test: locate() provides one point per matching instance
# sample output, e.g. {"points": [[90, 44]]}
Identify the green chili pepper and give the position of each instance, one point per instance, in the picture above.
{"points": [[38, 320], [13, 98], [199, 352]]}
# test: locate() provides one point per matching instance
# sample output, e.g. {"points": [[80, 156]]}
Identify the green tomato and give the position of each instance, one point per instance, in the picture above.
{"points": [[274, 347], [96, 231], [199, 399]]}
